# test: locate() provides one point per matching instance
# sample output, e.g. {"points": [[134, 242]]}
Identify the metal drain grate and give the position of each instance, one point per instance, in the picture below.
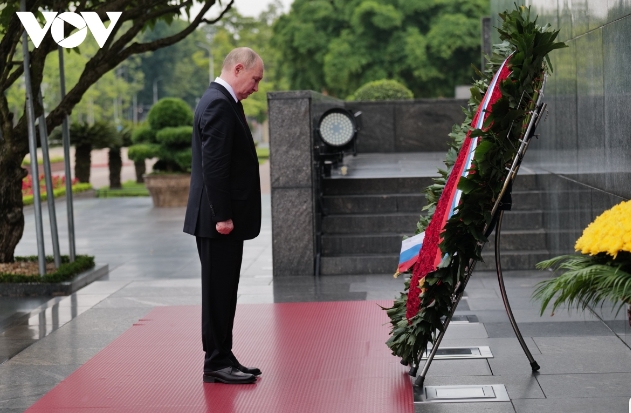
{"points": [[452, 353], [462, 394], [463, 319]]}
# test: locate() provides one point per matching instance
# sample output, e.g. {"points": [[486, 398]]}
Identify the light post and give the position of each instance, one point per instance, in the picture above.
{"points": [[211, 67], [155, 89]]}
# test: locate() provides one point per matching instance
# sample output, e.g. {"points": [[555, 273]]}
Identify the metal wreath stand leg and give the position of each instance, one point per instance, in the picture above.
{"points": [[502, 204]]}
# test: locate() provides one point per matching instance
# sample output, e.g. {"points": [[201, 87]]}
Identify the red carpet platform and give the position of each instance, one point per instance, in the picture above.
{"points": [[315, 357]]}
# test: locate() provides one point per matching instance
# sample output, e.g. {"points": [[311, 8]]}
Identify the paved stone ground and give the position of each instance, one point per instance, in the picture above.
{"points": [[585, 367]]}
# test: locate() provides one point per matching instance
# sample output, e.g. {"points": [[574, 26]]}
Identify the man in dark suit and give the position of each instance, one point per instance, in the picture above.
{"points": [[224, 206]]}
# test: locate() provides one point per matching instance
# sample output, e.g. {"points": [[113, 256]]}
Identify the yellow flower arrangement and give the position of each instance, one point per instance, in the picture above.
{"points": [[602, 273], [610, 233]]}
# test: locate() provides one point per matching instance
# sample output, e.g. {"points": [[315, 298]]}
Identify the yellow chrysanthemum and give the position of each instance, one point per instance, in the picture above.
{"points": [[609, 233]]}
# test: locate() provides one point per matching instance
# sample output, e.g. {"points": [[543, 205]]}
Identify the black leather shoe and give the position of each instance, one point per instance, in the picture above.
{"points": [[229, 375], [250, 370]]}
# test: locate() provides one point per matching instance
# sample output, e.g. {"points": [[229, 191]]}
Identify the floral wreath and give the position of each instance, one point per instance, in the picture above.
{"points": [[416, 314]]}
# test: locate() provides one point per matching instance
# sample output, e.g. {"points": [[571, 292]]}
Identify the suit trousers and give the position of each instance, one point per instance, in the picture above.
{"points": [[221, 268]]}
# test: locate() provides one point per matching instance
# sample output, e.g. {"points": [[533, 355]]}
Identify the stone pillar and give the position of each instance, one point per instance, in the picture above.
{"points": [[292, 179]]}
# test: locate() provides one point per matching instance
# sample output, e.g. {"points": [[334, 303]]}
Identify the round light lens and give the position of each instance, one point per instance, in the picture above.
{"points": [[337, 129]]}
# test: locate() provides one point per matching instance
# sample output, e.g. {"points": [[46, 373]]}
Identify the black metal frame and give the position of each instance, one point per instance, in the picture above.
{"points": [[502, 204], [326, 157]]}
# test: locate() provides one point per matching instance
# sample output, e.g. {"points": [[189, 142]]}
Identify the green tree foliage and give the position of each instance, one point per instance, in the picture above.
{"points": [[382, 90], [338, 45], [122, 45], [167, 136], [182, 70]]}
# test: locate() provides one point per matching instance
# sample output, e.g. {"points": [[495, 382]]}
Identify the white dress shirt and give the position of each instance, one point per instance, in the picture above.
{"points": [[227, 86]]}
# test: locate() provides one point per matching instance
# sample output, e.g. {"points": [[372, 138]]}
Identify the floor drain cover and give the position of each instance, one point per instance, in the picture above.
{"points": [[463, 319], [462, 394], [452, 353]]}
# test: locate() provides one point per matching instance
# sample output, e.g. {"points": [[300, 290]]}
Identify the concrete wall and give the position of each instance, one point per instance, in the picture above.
{"points": [[584, 149]]}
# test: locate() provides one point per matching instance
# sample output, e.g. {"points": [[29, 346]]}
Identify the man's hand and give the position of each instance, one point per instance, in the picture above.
{"points": [[224, 227]]}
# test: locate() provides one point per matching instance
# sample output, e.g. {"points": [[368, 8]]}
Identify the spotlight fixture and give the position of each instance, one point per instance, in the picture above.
{"points": [[338, 130]]}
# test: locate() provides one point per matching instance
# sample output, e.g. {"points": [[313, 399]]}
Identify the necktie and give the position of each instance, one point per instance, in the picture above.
{"points": [[242, 112]]}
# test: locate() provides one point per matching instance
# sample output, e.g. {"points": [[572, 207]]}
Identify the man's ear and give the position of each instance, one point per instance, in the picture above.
{"points": [[238, 69]]}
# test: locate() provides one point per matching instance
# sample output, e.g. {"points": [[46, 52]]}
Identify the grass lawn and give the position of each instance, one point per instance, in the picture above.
{"points": [[262, 154], [130, 188], [76, 188], [53, 159]]}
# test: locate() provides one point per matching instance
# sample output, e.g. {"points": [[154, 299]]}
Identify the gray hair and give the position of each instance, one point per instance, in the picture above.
{"points": [[244, 55]]}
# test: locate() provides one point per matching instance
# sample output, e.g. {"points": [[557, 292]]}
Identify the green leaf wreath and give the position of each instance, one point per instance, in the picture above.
{"points": [[462, 237]]}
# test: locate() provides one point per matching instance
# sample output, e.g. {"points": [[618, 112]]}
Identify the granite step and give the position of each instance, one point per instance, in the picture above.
{"points": [[513, 260], [407, 185], [405, 222], [378, 203], [359, 264], [522, 220], [356, 264], [372, 186], [345, 244], [390, 243]]}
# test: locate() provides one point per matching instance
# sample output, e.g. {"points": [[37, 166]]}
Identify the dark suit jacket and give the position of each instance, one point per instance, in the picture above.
{"points": [[225, 182]]}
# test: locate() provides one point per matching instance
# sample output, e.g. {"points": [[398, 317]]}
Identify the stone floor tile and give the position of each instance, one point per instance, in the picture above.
{"points": [[573, 405], [499, 346], [550, 329], [582, 386], [497, 407], [476, 367], [572, 345], [563, 363]]}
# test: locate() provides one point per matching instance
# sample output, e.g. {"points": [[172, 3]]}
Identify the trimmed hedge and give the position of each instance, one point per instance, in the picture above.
{"points": [[142, 151], [179, 136], [66, 271], [169, 112], [143, 134], [384, 89], [168, 137]]}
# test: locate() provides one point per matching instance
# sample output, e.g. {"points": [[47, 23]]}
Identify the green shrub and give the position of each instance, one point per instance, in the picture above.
{"points": [[143, 151], [384, 89], [170, 112], [167, 137], [66, 271], [143, 134], [175, 136]]}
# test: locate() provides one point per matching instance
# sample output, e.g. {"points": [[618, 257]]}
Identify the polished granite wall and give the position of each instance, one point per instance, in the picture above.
{"points": [[293, 178], [583, 154], [419, 125]]}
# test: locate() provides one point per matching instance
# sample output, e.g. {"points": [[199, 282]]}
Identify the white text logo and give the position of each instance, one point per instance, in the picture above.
{"points": [[55, 23]]}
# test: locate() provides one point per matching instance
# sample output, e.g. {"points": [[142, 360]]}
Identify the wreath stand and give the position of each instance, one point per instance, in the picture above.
{"points": [[503, 203]]}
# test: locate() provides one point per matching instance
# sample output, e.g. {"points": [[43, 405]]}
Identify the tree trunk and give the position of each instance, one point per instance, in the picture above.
{"points": [[83, 160], [115, 164], [141, 169], [12, 152]]}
